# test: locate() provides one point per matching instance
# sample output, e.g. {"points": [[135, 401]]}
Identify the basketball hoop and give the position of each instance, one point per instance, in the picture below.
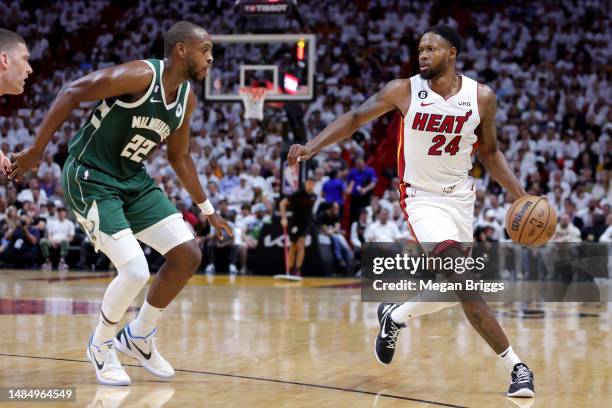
{"points": [[253, 99]]}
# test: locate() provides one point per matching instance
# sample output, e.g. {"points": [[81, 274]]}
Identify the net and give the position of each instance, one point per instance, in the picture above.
{"points": [[253, 99]]}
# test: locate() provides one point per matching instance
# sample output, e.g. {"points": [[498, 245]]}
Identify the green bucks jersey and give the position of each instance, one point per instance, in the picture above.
{"points": [[118, 136]]}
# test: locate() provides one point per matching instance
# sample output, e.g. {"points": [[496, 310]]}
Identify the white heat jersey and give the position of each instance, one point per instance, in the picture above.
{"points": [[437, 138]]}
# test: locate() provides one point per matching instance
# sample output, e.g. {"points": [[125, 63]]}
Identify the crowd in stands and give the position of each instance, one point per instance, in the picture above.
{"points": [[548, 63]]}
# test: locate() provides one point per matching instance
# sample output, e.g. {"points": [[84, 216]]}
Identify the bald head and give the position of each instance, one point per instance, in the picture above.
{"points": [[189, 46], [182, 32]]}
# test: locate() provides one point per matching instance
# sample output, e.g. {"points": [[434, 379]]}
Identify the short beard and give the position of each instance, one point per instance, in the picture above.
{"points": [[191, 71], [433, 73]]}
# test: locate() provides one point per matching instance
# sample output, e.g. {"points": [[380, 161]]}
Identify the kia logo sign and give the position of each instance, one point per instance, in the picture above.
{"points": [[280, 241]]}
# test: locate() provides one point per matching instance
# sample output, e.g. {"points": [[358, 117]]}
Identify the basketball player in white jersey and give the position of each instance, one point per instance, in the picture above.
{"points": [[446, 116], [14, 70]]}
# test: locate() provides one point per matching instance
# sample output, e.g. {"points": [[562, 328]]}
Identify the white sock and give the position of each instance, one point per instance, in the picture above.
{"points": [[411, 309], [510, 358], [146, 320], [104, 331]]}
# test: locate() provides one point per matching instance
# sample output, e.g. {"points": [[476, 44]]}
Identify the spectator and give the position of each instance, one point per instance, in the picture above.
{"points": [[363, 180], [59, 233], [48, 165], [230, 180], [334, 190], [226, 244], [603, 188], [48, 184], [22, 248], [49, 213], [31, 210], [33, 194], [10, 222], [570, 210], [208, 176], [597, 229], [499, 212], [335, 160], [607, 234], [589, 213], [214, 195], [358, 229], [329, 222], [302, 203], [580, 196], [227, 159], [566, 231], [255, 179], [382, 230], [490, 221], [242, 193], [251, 234], [376, 203], [189, 216], [555, 199], [557, 181], [485, 233]]}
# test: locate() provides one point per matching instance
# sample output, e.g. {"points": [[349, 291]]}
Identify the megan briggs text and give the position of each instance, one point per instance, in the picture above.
{"points": [[469, 284]]}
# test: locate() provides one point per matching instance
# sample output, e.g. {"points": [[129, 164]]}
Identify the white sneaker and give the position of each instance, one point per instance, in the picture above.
{"points": [[62, 266], [210, 269], [108, 367], [233, 270], [145, 351]]}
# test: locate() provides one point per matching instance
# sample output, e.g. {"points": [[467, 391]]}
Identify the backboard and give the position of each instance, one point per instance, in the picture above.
{"points": [[284, 63]]}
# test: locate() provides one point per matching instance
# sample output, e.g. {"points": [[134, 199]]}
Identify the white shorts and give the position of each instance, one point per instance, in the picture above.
{"points": [[168, 233], [435, 217]]}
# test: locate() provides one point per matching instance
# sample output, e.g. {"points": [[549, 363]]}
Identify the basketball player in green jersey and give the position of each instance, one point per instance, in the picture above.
{"points": [[140, 105], [14, 70]]}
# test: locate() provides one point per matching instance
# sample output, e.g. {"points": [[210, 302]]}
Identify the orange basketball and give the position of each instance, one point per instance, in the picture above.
{"points": [[531, 221]]}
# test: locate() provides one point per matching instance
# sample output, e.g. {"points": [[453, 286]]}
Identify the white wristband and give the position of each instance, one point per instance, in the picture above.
{"points": [[206, 207]]}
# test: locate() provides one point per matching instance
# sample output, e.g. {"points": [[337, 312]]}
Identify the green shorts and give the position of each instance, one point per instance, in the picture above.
{"points": [[105, 203]]}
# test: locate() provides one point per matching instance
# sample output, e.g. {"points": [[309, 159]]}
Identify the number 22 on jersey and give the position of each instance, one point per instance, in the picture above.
{"points": [[138, 148]]}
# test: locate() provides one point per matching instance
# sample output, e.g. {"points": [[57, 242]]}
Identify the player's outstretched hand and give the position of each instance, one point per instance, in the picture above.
{"points": [[5, 164], [298, 153], [24, 161], [220, 225]]}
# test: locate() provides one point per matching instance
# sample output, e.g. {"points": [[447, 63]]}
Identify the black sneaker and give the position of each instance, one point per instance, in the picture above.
{"points": [[387, 336], [521, 384]]}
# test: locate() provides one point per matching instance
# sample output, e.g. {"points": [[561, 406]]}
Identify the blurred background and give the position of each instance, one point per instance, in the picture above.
{"points": [[548, 62]]}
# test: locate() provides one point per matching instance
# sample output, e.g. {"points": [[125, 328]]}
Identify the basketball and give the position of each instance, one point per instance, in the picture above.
{"points": [[531, 221]]}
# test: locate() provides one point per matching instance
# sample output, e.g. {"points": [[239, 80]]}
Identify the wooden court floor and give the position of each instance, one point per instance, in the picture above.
{"points": [[252, 342]]}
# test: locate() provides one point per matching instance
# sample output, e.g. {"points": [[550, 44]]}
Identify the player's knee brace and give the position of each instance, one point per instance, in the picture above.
{"points": [[125, 253], [136, 271], [121, 292]]}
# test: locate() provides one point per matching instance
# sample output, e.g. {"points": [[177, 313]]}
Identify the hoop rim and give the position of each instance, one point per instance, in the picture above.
{"points": [[253, 92]]}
